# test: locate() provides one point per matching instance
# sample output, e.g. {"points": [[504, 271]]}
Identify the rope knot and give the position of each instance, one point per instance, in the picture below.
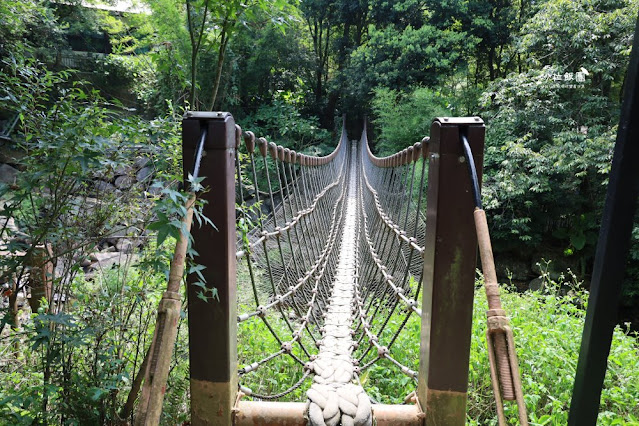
{"points": [[287, 347], [497, 320], [382, 351]]}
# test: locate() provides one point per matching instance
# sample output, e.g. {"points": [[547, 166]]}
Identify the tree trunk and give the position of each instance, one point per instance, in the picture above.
{"points": [[491, 60], [135, 390], [220, 65]]}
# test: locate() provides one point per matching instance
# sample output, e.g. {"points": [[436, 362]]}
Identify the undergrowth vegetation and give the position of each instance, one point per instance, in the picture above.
{"points": [[547, 325]]}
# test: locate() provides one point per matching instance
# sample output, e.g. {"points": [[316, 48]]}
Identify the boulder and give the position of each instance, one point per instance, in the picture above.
{"points": [[10, 155], [125, 245], [536, 284], [124, 182], [144, 174], [106, 260], [102, 186], [141, 162], [511, 268], [556, 267], [123, 169], [130, 232], [8, 174]]}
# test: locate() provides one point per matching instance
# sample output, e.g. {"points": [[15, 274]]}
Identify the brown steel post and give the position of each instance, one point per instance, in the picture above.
{"points": [[449, 272], [212, 322]]}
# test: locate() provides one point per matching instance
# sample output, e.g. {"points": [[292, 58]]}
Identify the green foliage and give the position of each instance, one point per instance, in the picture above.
{"points": [[398, 59], [27, 23], [549, 148], [405, 118], [90, 354], [592, 34], [547, 326], [382, 381], [268, 63], [283, 124], [256, 341], [82, 356]]}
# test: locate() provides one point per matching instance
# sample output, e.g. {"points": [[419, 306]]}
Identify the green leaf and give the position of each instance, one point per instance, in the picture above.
{"points": [[162, 234], [578, 240]]}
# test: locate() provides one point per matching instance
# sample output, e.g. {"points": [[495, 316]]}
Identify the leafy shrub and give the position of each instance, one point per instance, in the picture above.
{"points": [[547, 326], [83, 355], [404, 118], [282, 123]]}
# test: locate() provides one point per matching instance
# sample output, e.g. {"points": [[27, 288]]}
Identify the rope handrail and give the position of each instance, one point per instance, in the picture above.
{"points": [[286, 240]]}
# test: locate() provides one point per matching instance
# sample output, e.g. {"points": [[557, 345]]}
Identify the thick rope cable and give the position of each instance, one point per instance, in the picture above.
{"points": [[333, 398]]}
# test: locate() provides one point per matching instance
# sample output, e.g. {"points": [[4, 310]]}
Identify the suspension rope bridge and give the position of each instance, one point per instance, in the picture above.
{"points": [[336, 254]]}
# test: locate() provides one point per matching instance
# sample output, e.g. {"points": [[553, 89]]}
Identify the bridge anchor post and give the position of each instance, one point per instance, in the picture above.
{"points": [[450, 258], [212, 307]]}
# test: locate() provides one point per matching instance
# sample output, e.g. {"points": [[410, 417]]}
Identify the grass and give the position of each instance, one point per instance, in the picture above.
{"points": [[547, 326]]}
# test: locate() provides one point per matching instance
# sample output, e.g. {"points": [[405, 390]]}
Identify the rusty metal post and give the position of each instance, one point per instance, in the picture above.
{"points": [[449, 272], [261, 413], [212, 322]]}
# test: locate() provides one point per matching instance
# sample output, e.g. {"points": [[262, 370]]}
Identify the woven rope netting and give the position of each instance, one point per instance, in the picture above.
{"points": [[330, 270]]}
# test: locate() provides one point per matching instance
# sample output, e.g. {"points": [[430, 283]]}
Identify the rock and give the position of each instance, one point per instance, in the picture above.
{"points": [[109, 249], [125, 245], [102, 186], [123, 169], [124, 182], [155, 190], [10, 224], [556, 268], [8, 174], [511, 269], [144, 174], [59, 298], [141, 162], [115, 237], [10, 155], [85, 262], [107, 260], [536, 284]]}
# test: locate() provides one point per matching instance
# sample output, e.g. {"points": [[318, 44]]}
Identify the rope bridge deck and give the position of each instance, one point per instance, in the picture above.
{"points": [[335, 255]]}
